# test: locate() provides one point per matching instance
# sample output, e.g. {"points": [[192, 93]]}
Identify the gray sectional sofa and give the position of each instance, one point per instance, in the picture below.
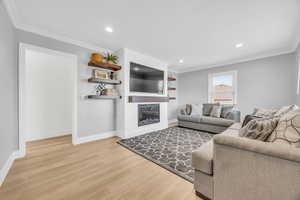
{"points": [[197, 119], [230, 167]]}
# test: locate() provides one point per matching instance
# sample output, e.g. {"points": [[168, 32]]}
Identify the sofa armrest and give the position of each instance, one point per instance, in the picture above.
{"points": [[270, 149], [254, 170], [234, 115]]}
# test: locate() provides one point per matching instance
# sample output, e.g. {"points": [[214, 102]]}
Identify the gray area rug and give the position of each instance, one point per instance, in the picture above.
{"points": [[170, 148]]}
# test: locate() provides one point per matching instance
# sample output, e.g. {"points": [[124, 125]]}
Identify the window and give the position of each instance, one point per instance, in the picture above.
{"points": [[222, 87]]}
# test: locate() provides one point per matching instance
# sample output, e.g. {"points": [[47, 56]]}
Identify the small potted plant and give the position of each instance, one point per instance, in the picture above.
{"points": [[111, 59]]}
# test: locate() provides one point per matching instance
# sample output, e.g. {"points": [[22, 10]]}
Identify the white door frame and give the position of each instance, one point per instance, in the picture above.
{"points": [[22, 92]]}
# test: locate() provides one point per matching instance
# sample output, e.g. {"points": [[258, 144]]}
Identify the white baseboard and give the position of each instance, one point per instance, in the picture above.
{"points": [[5, 169], [91, 138], [172, 120], [50, 135]]}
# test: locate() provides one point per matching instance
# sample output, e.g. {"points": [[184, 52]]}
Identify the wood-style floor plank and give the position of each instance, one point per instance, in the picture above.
{"points": [[54, 169]]}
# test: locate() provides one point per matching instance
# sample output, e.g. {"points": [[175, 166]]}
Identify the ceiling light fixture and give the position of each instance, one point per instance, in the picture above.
{"points": [[239, 45], [109, 29], [181, 61]]}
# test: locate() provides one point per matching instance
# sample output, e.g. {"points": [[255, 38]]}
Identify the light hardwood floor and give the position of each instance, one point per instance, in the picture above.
{"points": [[54, 169]]}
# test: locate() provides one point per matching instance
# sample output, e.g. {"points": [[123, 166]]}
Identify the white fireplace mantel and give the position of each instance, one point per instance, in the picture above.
{"points": [[127, 113]]}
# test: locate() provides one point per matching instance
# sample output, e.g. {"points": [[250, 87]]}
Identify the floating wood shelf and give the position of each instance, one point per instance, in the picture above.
{"points": [[143, 99], [171, 88], [171, 79], [102, 65], [172, 98], [106, 81], [103, 97]]}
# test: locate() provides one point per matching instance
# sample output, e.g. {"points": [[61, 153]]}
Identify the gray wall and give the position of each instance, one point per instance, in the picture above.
{"points": [[297, 58], [267, 83], [94, 116], [8, 88]]}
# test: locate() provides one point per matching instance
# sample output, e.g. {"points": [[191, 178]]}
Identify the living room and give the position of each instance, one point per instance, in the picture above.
{"points": [[150, 100]]}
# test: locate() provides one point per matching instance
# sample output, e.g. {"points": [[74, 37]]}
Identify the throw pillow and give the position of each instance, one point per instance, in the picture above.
{"points": [[226, 110], [216, 111], [248, 118], [188, 109], [207, 107], [196, 109], [287, 130], [262, 112], [183, 111], [259, 129], [282, 111]]}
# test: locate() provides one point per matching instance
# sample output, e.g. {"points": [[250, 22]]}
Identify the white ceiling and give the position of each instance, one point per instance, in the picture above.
{"points": [[202, 32]]}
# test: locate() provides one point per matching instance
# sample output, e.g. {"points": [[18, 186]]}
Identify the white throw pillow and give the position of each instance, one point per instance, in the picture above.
{"points": [[216, 111]]}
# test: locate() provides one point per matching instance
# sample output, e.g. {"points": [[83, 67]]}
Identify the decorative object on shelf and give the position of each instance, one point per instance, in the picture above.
{"points": [[105, 81], [100, 74], [109, 92], [97, 57], [99, 88], [171, 79], [111, 59]]}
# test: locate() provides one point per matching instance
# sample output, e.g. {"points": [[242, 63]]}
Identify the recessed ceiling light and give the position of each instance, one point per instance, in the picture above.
{"points": [[109, 29], [181, 61], [239, 45], [136, 69]]}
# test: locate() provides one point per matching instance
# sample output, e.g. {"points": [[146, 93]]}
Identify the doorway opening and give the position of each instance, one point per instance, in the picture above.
{"points": [[47, 94]]}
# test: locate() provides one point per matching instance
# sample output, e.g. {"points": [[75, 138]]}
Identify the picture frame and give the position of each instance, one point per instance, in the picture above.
{"points": [[100, 74]]}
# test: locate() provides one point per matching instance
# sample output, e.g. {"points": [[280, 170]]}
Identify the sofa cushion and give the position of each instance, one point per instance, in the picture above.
{"points": [[259, 129], [216, 111], [202, 159], [207, 107], [190, 118], [287, 130], [216, 121], [231, 132], [262, 112], [196, 109], [226, 109], [248, 118]]}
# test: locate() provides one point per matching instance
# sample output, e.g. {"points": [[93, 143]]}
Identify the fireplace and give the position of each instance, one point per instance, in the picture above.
{"points": [[148, 114]]}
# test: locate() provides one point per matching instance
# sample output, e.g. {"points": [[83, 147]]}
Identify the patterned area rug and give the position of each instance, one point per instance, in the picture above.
{"points": [[170, 148]]}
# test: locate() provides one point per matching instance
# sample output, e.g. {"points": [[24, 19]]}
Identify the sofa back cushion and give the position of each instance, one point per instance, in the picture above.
{"points": [[216, 111], [287, 130], [207, 108], [226, 110], [285, 109], [259, 129], [196, 109], [262, 112]]}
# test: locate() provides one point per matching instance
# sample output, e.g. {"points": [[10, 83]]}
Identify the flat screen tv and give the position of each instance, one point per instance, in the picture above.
{"points": [[146, 79]]}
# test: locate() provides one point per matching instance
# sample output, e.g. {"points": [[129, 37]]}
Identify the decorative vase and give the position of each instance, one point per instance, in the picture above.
{"points": [[97, 57]]}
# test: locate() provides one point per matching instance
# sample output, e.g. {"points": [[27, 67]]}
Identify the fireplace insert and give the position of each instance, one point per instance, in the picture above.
{"points": [[148, 114]]}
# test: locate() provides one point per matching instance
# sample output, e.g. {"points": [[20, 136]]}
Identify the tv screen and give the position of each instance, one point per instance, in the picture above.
{"points": [[146, 79]]}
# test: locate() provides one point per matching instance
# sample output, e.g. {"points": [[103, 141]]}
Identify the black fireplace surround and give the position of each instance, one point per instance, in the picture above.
{"points": [[148, 114]]}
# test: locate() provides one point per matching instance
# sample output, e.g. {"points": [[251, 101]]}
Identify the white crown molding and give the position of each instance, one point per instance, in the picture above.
{"points": [[11, 8], [199, 68]]}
